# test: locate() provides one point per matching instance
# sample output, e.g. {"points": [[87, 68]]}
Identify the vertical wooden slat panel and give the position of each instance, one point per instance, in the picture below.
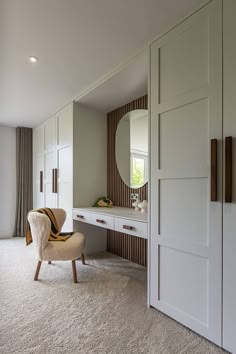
{"points": [[129, 247]]}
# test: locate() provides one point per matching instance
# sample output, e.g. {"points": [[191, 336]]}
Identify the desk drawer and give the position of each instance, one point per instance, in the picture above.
{"points": [[104, 221], [82, 216], [131, 227]]}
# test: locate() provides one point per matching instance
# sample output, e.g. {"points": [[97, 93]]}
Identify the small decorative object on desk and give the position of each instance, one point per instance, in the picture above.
{"points": [[135, 205], [103, 202], [143, 206]]}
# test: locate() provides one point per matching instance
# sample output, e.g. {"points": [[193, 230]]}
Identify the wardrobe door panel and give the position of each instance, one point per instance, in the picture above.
{"points": [[184, 60], [65, 164], [65, 184], [229, 209], [184, 140], [176, 281], [38, 140], [65, 126], [50, 134], [50, 162], [189, 220], [38, 166], [65, 201], [38, 201], [50, 198], [186, 227]]}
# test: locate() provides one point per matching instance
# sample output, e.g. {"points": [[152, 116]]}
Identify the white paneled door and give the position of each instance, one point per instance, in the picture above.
{"points": [[50, 164], [38, 181], [38, 170], [50, 134], [50, 160], [186, 227], [65, 184], [229, 209]]}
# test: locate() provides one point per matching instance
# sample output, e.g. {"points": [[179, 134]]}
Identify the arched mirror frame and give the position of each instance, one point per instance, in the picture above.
{"points": [[117, 190], [131, 148]]}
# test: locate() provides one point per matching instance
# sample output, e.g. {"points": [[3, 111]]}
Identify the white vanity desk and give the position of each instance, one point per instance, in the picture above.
{"points": [[120, 219]]}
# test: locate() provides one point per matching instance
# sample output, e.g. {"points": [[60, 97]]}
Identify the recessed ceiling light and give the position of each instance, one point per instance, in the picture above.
{"points": [[33, 59]]}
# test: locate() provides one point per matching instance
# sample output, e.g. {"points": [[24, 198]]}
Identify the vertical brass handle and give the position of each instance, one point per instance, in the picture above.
{"points": [[55, 180], [228, 169], [41, 181], [213, 170]]}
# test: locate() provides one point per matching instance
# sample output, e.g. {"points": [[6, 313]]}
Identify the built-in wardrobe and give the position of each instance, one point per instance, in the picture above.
{"points": [[192, 243], [69, 164]]}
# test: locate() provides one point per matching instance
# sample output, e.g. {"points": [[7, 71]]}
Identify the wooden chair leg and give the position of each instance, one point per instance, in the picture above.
{"points": [[49, 262], [74, 271], [83, 258], [37, 270]]}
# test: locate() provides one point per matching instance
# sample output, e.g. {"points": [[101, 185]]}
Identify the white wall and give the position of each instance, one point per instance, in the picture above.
{"points": [[90, 156], [7, 181]]}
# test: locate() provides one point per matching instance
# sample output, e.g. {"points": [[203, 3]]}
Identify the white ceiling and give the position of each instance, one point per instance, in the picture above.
{"points": [[128, 84], [77, 41]]}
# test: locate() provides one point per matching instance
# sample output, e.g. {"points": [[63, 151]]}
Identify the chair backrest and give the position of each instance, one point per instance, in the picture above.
{"points": [[40, 226]]}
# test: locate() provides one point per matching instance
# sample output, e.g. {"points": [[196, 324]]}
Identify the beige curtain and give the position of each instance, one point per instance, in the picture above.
{"points": [[24, 178]]}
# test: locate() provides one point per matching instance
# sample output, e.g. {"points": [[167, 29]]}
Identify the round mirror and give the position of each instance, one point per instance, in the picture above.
{"points": [[132, 148]]}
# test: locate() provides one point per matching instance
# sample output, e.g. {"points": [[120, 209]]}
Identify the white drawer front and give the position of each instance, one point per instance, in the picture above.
{"points": [[82, 216], [131, 227], [104, 221]]}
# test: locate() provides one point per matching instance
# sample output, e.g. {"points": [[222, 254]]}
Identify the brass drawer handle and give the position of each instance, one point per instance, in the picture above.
{"points": [[100, 221], [126, 227]]}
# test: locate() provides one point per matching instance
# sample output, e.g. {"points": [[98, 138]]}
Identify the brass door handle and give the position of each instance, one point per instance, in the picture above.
{"points": [[213, 170], [228, 169], [55, 180], [41, 182]]}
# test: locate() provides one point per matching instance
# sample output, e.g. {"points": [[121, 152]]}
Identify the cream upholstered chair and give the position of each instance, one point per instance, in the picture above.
{"points": [[69, 250]]}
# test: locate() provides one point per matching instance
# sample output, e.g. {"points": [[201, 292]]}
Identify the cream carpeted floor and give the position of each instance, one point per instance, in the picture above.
{"points": [[105, 312]]}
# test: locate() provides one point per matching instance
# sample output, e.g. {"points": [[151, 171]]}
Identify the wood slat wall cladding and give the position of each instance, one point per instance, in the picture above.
{"points": [[126, 246]]}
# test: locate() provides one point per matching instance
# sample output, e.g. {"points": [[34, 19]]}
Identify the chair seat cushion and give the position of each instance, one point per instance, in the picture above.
{"points": [[65, 250]]}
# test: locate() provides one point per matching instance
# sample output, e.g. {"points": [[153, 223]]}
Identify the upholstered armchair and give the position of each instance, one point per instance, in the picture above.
{"points": [[45, 250]]}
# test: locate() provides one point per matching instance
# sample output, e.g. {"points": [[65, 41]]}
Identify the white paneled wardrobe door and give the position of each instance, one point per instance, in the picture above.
{"points": [[50, 134], [65, 126], [186, 227], [38, 170], [38, 181], [65, 184], [229, 210], [50, 161], [65, 163]]}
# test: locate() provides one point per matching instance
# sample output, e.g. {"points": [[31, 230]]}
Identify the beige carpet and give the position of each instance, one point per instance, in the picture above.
{"points": [[104, 313]]}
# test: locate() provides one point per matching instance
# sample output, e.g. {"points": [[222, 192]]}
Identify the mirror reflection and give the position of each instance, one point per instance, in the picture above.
{"points": [[132, 148]]}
